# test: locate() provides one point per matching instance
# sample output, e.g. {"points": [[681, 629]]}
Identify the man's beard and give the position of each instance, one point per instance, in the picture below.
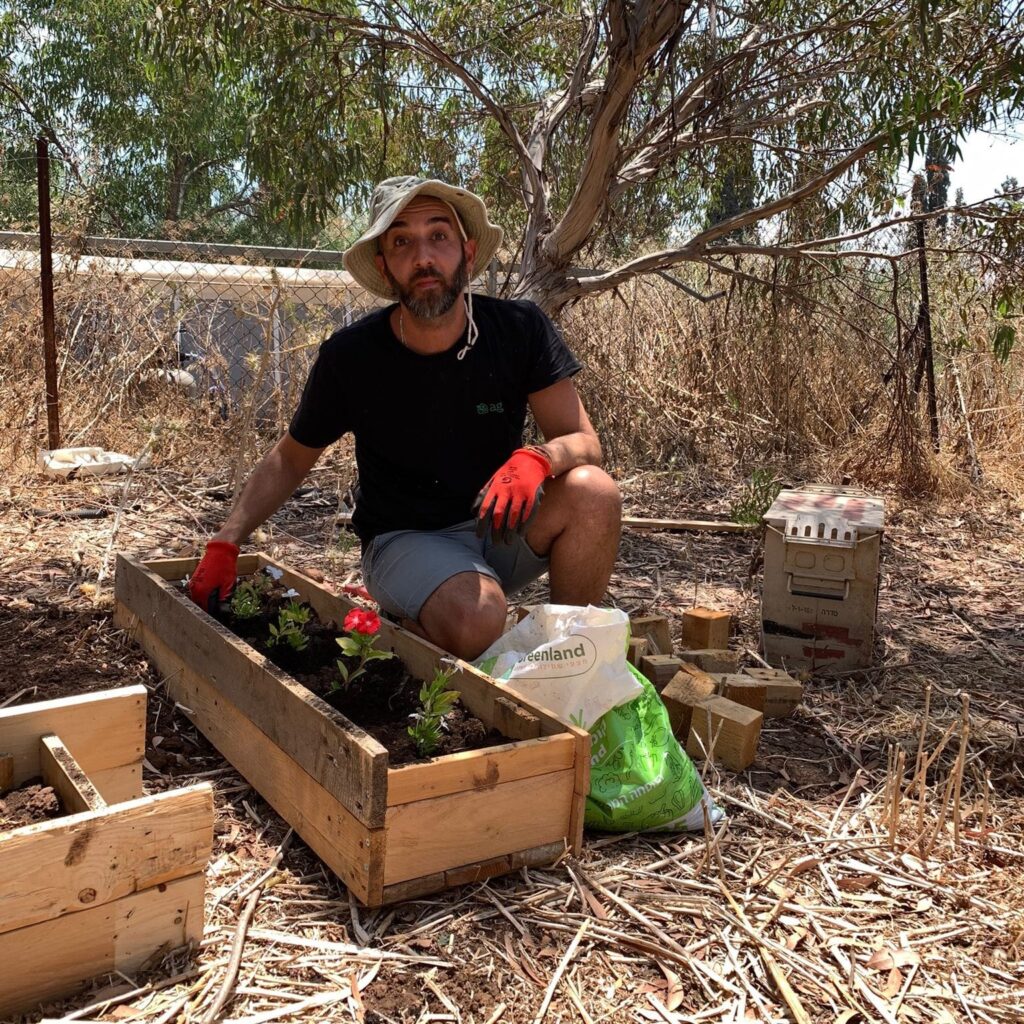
{"points": [[431, 305]]}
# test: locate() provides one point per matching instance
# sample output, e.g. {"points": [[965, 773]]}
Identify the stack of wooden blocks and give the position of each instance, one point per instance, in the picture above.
{"points": [[714, 705]]}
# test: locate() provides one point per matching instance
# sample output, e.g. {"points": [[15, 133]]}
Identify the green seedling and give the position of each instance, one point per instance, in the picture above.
{"points": [[247, 600], [435, 702], [290, 627]]}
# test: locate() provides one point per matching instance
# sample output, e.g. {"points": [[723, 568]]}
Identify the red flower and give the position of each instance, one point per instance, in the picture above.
{"points": [[362, 621]]}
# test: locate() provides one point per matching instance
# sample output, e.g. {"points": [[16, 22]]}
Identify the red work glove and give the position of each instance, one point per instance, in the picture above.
{"points": [[215, 575], [512, 495]]}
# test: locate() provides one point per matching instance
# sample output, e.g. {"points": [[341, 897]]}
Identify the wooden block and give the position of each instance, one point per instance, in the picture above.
{"points": [[638, 648], [712, 660], [743, 690], [660, 669], [783, 693], [733, 728], [704, 628], [688, 686], [61, 771], [6, 772], [656, 629]]}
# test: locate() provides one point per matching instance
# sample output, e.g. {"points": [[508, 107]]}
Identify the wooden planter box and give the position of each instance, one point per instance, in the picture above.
{"points": [[118, 880], [388, 833]]}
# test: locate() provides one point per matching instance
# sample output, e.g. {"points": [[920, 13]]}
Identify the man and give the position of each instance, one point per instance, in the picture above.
{"points": [[452, 512]]}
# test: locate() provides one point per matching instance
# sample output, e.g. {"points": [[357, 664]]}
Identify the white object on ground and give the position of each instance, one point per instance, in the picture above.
{"points": [[85, 462]]}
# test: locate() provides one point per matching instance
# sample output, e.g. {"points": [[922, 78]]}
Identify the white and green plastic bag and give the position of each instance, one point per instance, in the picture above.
{"points": [[572, 660]]}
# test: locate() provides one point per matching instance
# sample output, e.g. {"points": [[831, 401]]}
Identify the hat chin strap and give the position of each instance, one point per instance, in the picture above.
{"points": [[472, 333]]}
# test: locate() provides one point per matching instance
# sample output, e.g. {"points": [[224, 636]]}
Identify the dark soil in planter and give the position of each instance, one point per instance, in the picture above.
{"points": [[28, 805], [381, 700]]}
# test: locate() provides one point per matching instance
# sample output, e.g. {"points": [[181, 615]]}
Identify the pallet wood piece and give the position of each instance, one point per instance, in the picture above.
{"points": [[705, 628], [751, 693], [63, 866], [480, 769], [712, 660], [350, 762], [345, 844], [783, 694], [656, 629], [684, 525], [735, 730], [105, 731], [538, 856], [6, 772], [442, 820], [54, 958], [660, 669], [63, 773], [644, 523], [688, 686], [637, 649], [481, 824]]}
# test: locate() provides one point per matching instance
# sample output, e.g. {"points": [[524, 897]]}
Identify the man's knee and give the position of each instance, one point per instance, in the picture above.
{"points": [[465, 615], [594, 491]]}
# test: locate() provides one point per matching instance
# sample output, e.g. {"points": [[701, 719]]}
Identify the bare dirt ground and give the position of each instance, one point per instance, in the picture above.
{"points": [[833, 892]]}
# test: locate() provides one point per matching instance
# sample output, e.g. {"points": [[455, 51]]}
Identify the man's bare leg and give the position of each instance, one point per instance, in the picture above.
{"points": [[465, 615], [577, 527]]}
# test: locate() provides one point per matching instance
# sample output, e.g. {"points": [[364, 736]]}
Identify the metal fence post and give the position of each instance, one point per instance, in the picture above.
{"points": [[46, 284]]}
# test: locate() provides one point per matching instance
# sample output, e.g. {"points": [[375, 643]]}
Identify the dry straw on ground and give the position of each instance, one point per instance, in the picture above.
{"points": [[870, 865]]}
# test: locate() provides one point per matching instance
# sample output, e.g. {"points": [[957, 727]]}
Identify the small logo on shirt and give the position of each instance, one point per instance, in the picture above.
{"points": [[483, 408]]}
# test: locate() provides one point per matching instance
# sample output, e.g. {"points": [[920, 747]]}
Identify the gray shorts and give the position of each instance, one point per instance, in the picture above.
{"points": [[403, 568]]}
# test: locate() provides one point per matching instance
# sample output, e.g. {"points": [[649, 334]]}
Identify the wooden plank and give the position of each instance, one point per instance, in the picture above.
{"points": [[102, 730], [642, 523], [655, 628], [344, 843], [538, 856], [486, 769], [175, 569], [423, 658], [432, 835], [6, 772], [62, 772], [346, 760], [56, 958], [77, 863], [683, 525], [120, 783], [581, 788], [732, 728]]}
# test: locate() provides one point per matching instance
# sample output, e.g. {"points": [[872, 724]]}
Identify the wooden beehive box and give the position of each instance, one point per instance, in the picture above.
{"points": [[116, 881], [388, 833]]}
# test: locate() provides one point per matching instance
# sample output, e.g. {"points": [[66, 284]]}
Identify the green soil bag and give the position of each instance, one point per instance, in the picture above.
{"points": [[572, 660], [641, 779]]}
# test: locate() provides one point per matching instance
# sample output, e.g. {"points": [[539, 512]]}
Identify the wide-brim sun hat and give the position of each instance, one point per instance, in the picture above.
{"points": [[389, 198]]}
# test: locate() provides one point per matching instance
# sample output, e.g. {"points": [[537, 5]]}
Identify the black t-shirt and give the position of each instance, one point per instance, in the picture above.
{"points": [[430, 430]]}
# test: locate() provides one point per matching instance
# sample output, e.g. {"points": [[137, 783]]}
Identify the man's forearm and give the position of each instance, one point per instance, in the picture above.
{"points": [[571, 450], [272, 482]]}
